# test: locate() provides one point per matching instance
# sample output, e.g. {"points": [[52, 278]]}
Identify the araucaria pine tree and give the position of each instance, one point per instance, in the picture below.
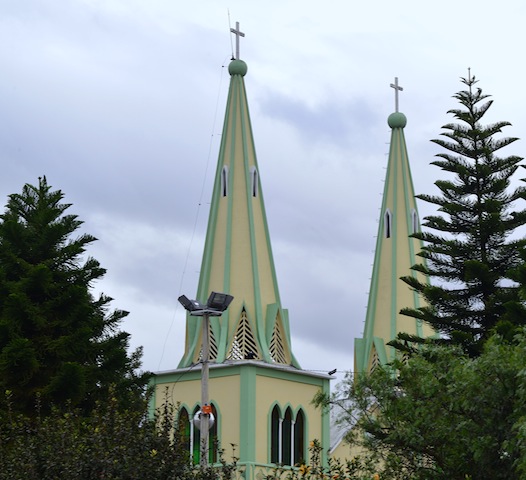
{"points": [[469, 248], [58, 344]]}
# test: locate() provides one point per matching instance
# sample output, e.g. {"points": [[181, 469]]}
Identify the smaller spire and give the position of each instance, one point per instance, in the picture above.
{"points": [[238, 33], [397, 89]]}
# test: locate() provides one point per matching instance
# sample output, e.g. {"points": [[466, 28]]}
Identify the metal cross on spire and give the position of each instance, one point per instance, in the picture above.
{"points": [[397, 88], [238, 33]]}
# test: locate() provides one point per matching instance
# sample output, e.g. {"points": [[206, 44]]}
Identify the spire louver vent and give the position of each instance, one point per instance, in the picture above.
{"points": [[277, 349], [375, 361], [213, 346], [244, 345]]}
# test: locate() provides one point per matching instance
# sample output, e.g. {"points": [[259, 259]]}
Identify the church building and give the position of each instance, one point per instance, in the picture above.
{"points": [[259, 395], [395, 254], [260, 398]]}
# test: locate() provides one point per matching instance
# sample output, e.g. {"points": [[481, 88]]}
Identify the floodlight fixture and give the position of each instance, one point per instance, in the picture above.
{"points": [[216, 304], [219, 301], [190, 305]]}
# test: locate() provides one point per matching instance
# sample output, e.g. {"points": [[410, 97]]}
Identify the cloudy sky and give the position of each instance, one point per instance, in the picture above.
{"points": [[120, 104]]}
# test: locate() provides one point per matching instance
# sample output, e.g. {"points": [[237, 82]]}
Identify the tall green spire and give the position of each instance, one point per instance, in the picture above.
{"points": [[395, 254], [237, 257]]}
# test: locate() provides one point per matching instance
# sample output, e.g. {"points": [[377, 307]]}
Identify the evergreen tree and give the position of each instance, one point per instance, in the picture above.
{"points": [[57, 342], [469, 248]]}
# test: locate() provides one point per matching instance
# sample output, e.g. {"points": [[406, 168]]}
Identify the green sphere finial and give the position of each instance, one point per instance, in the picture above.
{"points": [[237, 67], [397, 120]]}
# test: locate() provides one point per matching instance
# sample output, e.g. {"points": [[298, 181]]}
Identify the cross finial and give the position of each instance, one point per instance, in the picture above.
{"points": [[238, 33], [397, 89]]}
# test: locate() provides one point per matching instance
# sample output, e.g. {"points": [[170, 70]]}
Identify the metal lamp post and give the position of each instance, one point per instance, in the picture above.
{"points": [[216, 304]]}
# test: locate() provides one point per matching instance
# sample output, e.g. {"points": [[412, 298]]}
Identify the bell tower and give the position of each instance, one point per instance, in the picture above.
{"points": [[259, 395], [396, 252]]}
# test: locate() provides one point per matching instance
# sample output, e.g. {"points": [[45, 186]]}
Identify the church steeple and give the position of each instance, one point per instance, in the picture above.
{"points": [[238, 257], [260, 398], [395, 254]]}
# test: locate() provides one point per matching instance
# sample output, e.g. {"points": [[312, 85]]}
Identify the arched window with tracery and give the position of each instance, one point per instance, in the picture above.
{"points": [[299, 438], [287, 437]]}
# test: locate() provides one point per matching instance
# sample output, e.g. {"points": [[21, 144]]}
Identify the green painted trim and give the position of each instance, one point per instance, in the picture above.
{"points": [[326, 425], [290, 376], [178, 376], [394, 150], [258, 305], [186, 407], [410, 206], [270, 320], [286, 330], [269, 428], [359, 347], [233, 369], [373, 289], [379, 345], [195, 375], [247, 423]]}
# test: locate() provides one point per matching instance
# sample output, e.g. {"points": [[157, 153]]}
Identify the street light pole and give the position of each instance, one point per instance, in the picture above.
{"points": [[205, 415], [215, 306]]}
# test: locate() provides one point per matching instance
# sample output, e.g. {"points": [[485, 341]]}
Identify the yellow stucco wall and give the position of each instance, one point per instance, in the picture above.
{"points": [[224, 392], [263, 386]]}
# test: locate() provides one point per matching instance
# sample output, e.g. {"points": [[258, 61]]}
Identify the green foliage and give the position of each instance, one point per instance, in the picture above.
{"points": [[110, 444], [468, 248], [442, 414], [57, 341], [358, 468]]}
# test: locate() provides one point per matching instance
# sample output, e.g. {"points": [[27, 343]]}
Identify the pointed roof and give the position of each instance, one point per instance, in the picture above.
{"points": [[395, 254], [238, 257]]}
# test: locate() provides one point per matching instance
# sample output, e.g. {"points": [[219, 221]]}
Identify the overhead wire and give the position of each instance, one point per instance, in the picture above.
{"points": [[197, 214]]}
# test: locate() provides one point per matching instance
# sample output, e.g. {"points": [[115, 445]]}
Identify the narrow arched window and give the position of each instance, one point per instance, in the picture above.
{"points": [[387, 224], [195, 439], [414, 221], [184, 428], [224, 181], [213, 438], [275, 436], [254, 181], [299, 438], [287, 438]]}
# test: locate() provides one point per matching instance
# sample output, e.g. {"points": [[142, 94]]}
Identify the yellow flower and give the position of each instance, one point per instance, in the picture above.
{"points": [[153, 452], [304, 469]]}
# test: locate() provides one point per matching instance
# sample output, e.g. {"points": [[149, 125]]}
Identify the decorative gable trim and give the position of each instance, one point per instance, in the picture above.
{"points": [[244, 345]]}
